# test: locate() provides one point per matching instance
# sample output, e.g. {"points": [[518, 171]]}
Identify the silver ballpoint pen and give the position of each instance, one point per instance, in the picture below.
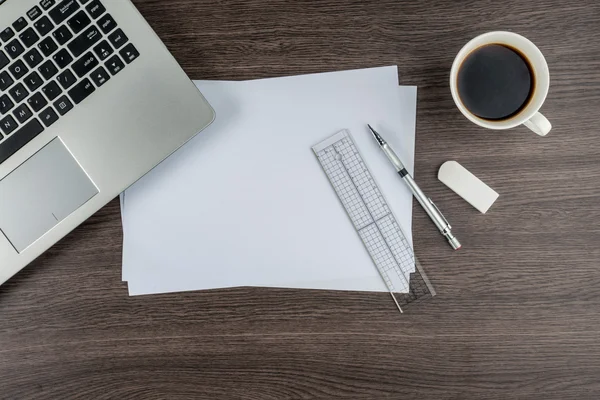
{"points": [[427, 204]]}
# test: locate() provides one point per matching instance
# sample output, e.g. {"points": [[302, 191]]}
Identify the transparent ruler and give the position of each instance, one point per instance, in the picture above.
{"points": [[373, 219]]}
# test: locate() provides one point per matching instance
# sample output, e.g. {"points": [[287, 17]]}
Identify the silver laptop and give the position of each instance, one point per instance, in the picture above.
{"points": [[90, 100]]}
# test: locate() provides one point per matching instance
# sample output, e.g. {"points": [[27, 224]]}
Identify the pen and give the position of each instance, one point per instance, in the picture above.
{"points": [[427, 204]]}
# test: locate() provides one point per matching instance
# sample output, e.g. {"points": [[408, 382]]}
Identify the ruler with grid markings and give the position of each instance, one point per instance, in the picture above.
{"points": [[373, 219]]}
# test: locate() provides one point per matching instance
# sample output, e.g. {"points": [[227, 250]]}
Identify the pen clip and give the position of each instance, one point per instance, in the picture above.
{"points": [[439, 212]]}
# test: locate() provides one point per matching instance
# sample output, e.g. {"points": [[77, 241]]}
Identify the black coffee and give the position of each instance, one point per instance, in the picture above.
{"points": [[495, 82]]}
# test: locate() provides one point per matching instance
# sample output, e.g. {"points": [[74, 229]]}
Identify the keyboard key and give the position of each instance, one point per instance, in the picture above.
{"points": [[63, 105], [8, 125], [52, 90], [118, 38], [66, 79], [48, 116], [79, 22], [129, 53], [34, 13], [84, 1], [84, 41], [85, 64], [63, 10], [5, 81], [44, 26], [3, 60], [20, 24], [6, 104], [33, 81], [37, 102], [29, 37], [33, 58], [22, 113], [100, 76], [18, 92], [96, 9], [115, 65], [19, 139], [62, 58], [14, 49], [107, 23], [62, 35], [103, 50], [7, 34], [48, 70], [48, 46], [81, 91], [18, 69], [46, 4]]}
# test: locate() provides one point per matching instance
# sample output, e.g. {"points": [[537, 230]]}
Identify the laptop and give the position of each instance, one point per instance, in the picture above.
{"points": [[90, 101]]}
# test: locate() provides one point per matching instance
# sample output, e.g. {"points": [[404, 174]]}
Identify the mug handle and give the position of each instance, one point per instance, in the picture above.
{"points": [[539, 124]]}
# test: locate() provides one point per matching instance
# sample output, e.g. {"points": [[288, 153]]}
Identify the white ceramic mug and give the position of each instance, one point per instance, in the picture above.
{"points": [[528, 116]]}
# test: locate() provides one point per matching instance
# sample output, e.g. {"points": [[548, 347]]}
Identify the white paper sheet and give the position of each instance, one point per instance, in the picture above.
{"points": [[245, 203]]}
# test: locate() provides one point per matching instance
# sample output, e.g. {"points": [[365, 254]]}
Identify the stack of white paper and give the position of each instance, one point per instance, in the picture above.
{"points": [[245, 203]]}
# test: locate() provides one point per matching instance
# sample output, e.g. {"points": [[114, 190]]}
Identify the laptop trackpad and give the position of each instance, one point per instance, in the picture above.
{"points": [[40, 193]]}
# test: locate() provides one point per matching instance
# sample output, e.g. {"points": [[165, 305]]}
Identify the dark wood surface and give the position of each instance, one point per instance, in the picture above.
{"points": [[518, 308]]}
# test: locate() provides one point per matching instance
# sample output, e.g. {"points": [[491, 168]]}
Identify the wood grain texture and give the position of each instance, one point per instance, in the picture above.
{"points": [[517, 314]]}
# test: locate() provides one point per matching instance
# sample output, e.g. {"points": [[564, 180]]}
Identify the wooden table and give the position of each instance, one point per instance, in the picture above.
{"points": [[518, 308]]}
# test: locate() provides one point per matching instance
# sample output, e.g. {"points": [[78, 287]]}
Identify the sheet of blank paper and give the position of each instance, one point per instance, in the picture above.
{"points": [[245, 203]]}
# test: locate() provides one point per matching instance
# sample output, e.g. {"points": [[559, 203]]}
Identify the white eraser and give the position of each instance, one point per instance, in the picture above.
{"points": [[467, 186]]}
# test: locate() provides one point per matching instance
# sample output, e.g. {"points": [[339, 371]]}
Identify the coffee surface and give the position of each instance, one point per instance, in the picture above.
{"points": [[495, 82]]}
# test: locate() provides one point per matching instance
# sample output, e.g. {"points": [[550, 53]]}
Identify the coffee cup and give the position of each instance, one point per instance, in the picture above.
{"points": [[500, 80]]}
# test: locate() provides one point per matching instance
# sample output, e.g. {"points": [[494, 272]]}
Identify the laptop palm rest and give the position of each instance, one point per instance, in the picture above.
{"points": [[40, 193]]}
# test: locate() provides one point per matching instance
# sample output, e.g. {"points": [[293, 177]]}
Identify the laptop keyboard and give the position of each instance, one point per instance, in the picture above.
{"points": [[51, 59]]}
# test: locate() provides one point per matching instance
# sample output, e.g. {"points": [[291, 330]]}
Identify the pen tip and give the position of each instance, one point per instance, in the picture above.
{"points": [[376, 136]]}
